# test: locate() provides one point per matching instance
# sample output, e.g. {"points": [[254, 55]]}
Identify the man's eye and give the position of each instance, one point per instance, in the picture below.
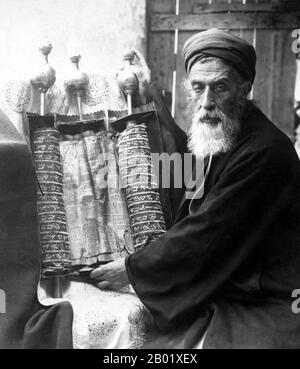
{"points": [[220, 87], [198, 88]]}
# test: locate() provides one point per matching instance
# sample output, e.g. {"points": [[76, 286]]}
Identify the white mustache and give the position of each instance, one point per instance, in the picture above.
{"points": [[212, 116], [207, 118]]}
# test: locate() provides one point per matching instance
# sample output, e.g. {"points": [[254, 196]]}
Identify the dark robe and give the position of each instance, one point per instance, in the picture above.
{"points": [[167, 137], [26, 323], [231, 266]]}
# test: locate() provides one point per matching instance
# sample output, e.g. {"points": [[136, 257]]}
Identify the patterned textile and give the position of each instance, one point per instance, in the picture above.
{"points": [[103, 91], [103, 319], [97, 218], [138, 179], [112, 320], [18, 95], [50, 205]]}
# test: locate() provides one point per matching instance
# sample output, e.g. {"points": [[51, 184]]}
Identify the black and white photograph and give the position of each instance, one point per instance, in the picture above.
{"points": [[149, 177]]}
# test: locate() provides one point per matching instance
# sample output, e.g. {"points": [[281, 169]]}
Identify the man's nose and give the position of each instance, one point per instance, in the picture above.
{"points": [[207, 99]]}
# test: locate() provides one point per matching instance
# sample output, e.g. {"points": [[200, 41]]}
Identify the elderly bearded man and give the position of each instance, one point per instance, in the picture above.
{"points": [[226, 270]]}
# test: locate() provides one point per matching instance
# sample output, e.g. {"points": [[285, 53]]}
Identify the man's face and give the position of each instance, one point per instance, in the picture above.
{"points": [[218, 100], [214, 86]]}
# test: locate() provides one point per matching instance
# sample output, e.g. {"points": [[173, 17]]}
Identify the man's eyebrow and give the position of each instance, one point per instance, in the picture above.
{"points": [[196, 81], [221, 79], [204, 80]]}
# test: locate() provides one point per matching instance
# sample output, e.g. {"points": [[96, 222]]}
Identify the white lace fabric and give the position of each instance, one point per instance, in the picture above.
{"points": [[103, 319], [102, 93]]}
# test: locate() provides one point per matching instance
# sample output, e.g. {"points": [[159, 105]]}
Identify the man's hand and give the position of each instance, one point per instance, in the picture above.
{"points": [[111, 276]]}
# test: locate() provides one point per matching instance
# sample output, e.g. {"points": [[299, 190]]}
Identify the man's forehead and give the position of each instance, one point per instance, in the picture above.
{"points": [[213, 68]]}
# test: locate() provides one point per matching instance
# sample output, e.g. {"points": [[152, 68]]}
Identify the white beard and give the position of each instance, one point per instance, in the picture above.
{"points": [[209, 139]]}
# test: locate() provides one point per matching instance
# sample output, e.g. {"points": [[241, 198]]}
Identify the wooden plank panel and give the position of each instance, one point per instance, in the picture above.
{"points": [[263, 81], [217, 2], [284, 82], [187, 6], [161, 58], [232, 4], [161, 48], [159, 6], [256, 1], [182, 115], [238, 6], [195, 22], [247, 35], [237, 32], [278, 100], [275, 78]]}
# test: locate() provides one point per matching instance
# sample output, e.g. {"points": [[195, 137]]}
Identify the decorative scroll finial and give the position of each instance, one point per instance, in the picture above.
{"points": [[128, 80], [46, 50], [45, 78], [76, 82]]}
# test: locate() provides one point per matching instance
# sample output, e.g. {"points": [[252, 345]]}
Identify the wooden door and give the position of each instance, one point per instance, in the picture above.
{"points": [[268, 25]]}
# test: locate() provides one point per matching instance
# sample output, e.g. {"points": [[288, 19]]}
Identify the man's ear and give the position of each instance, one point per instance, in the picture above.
{"points": [[246, 88]]}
